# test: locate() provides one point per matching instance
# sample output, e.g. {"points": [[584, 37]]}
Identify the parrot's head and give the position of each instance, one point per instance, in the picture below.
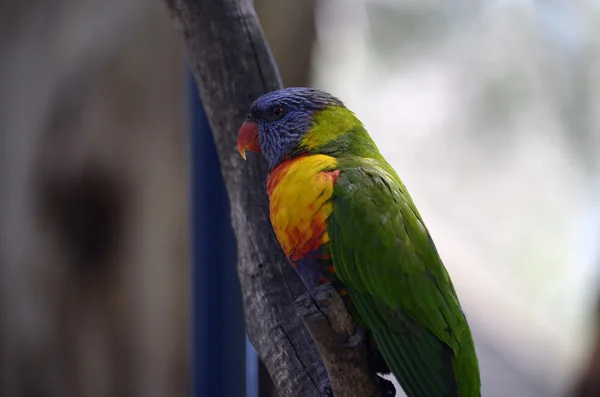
{"points": [[278, 122]]}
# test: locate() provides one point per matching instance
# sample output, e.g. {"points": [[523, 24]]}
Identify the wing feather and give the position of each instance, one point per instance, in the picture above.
{"points": [[384, 254]]}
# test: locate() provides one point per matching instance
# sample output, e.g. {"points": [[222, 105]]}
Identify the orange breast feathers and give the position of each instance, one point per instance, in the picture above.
{"points": [[299, 193]]}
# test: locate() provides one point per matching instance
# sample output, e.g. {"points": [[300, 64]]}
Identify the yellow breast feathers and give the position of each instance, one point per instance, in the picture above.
{"points": [[299, 191]]}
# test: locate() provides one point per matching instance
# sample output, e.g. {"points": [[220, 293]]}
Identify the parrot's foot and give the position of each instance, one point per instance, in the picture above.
{"points": [[385, 386], [360, 335]]}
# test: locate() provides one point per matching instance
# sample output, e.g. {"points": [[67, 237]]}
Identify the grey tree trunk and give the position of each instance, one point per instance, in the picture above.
{"points": [[232, 66]]}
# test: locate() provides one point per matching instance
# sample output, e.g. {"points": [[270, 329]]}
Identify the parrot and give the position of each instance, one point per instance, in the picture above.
{"points": [[342, 216]]}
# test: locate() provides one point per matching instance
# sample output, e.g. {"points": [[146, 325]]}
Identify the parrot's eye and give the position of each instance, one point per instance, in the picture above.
{"points": [[275, 112]]}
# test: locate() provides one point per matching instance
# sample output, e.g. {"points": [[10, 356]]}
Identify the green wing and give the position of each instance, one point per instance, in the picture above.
{"points": [[384, 255]]}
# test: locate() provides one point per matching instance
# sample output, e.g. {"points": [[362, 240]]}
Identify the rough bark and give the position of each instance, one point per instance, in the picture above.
{"points": [[232, 66], [331, 327]]}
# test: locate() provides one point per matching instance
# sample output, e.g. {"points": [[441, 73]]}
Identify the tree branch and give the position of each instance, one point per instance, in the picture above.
{"points": [[331, 326], [232, 66]]}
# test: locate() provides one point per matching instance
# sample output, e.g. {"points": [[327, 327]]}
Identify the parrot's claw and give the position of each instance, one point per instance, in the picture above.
{"points": [[360, 335], [386, 387]]}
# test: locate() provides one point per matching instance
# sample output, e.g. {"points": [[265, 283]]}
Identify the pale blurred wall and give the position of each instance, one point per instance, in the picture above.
{"points": [[93, 203], [488, 111]]}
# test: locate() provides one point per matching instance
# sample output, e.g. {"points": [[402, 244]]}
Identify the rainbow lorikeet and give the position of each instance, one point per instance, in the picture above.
{"points": [[343, 216]]}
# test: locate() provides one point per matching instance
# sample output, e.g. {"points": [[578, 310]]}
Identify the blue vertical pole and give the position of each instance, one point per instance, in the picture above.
{"points": [[251, 370], [220, 358]]}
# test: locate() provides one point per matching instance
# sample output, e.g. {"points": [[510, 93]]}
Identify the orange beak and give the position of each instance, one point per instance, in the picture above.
{"points": [[248, 138]]}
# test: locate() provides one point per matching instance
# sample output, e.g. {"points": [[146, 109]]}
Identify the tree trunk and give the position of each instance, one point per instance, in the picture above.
{"points": [[233, 66]]}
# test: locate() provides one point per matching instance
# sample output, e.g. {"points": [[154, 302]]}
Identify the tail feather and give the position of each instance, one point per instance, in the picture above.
{"points": [[423, 378]]}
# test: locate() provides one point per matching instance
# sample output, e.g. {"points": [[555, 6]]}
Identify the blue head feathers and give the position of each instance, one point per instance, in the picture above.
{"points": [[284, 116]]}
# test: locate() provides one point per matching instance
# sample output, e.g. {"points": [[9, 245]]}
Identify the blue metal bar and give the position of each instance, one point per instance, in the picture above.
{"points": [[251, 370], [220, 354]]}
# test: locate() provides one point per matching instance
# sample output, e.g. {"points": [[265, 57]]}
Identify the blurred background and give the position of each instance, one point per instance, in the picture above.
{"points": [[488, 111]]}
